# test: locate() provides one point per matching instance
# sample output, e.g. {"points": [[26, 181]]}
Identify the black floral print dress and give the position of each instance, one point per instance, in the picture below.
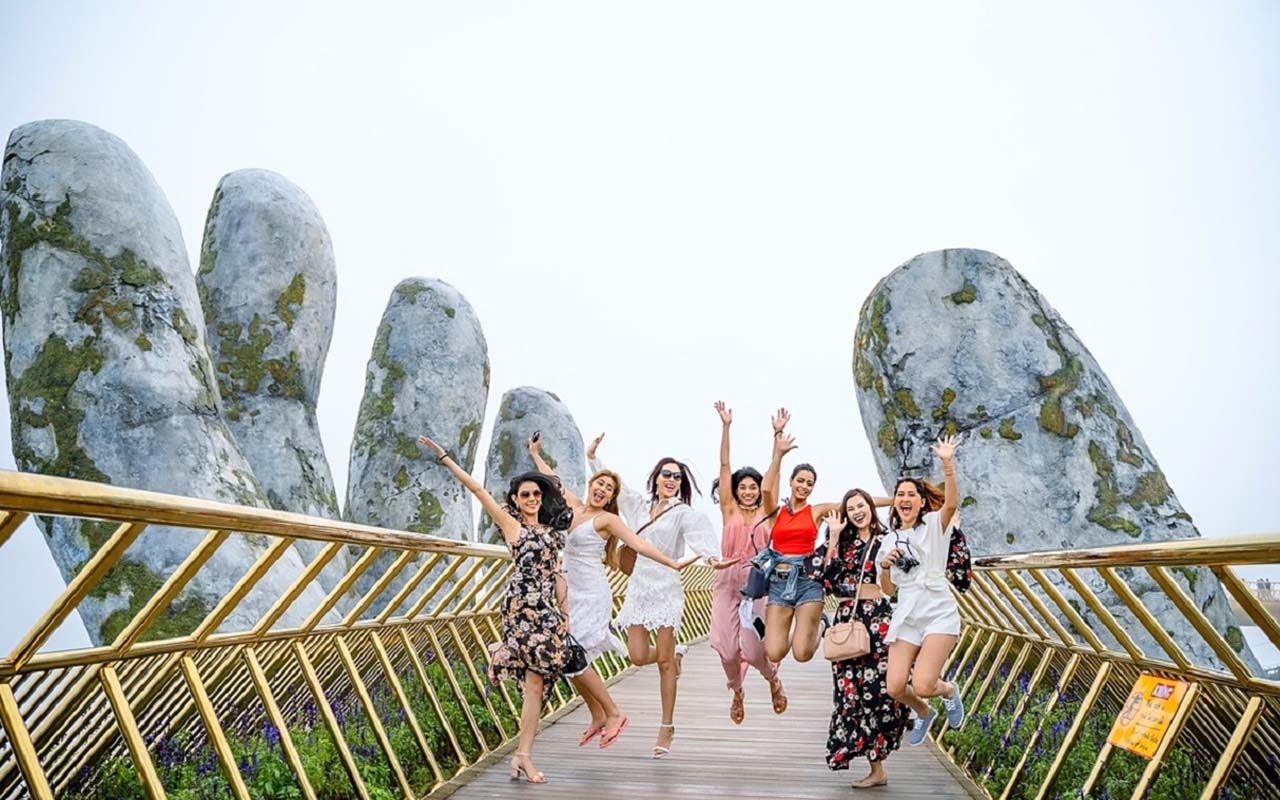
{"points": [[866, 722], [535, 636]]}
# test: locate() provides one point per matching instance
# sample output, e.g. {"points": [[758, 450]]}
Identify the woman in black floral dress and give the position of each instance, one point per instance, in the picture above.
{"points": [[866, 722], [536, 646]]}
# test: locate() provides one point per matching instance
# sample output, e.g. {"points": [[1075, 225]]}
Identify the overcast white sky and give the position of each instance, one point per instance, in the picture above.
{"points": [[652, 206]]}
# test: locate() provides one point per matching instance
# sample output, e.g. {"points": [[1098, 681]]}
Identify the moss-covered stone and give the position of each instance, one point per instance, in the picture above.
{"points": [[1104, 513], [468, 441], [407, 447], [906, 403], [551, 462], [430, 514], [967, 294], [41, 397], [968, 501], [944, 408], [1058, 384], [450, 311], [401, 478], [289, 303], [1007, 431], [143, 343], [1189, 575], [1008, 538], [377, 407], [506, 453], [411, 291], [1235, 638], [887, 438], [985, 433], [139, 583]]}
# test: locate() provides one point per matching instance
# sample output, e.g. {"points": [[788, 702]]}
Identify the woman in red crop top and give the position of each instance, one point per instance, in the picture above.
{"points": [[795, 585]]}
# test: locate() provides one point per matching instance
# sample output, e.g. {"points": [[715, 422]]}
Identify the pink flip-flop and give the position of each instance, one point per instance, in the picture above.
{"points": [[590, 733], [611, 736]]}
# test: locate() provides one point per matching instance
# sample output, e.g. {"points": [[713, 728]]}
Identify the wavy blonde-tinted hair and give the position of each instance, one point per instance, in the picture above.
{"points": [[611, 544], [931, 495]]}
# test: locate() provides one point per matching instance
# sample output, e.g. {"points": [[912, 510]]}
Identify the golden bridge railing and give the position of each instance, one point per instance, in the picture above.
{"points": [[386, 699], [1043, 685]]}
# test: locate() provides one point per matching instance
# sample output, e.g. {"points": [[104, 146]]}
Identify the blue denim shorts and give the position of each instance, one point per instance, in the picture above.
{"points": [[789, 586]]}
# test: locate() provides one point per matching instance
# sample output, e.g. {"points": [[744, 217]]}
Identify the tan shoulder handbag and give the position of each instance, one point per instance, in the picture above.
{"points": [[848, 640], [627, 556]]}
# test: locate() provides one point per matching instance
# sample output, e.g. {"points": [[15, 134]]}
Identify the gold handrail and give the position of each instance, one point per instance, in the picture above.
{"points": [[402, 664]]}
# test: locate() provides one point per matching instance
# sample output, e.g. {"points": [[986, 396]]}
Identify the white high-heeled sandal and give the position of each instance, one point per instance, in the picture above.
{"points": [[658, 750], [518, 769]]}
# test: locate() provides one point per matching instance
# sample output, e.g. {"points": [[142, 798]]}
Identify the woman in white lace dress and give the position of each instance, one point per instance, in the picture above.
{"points": [[655, 598], [589, 597]]}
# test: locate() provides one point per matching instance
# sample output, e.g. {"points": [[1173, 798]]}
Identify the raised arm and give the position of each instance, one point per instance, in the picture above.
{"points": [[509, 525], [635, 509], [945, 450], [782, 444], [726, 472], [535, 450]]}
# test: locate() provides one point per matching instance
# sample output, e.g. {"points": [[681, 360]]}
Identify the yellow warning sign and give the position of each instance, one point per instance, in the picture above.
{"points": [[1146, 714]]}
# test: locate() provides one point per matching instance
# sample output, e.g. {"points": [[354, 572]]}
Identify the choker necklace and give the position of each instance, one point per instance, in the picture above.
{"points": [[749, 509]]}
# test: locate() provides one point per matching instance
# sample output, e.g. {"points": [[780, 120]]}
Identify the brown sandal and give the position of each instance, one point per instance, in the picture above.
{"points": [[778, 696], [737, 712]]}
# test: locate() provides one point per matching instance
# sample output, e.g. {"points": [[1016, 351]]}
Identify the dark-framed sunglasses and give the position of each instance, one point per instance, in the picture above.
{"points": [[671, 475], [525, 494]]}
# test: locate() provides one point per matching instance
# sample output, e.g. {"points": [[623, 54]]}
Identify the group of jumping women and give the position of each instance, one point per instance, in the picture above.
{"points": [[557, 612]]}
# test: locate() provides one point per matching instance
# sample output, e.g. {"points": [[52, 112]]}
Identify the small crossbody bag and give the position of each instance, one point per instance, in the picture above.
{"points": [[626, 555], [847, 640], [757, 585]]}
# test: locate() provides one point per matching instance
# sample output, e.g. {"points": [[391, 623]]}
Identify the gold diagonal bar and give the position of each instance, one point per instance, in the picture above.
{"points": [[379, 586], [10, 522], [1239, 738], [427, 687], [393, 678], [1102, 612], [972, 650], [1166, 742], [78, 589], [1064, 680], [241, 589], [1077, 723], [164, 596], [24, 750], [1049, 617], [458, 585], [1144, 616], [1187, 606], [341, 588], [1010, 623], [475, 679], [433, 589], [1059, 599], [484, 652], [1017, 605], [295, 590], [423, 570], [443, 660], [1018, 710], [976, 700], [330, 721], [379, 732], [291, 755], [1099, 764], [484, 602], [132, 738], [1009, 683], [1250, 604], [482, 583], [217, 738]]}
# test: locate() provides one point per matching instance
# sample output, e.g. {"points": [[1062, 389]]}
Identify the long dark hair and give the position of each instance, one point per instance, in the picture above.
{"points": [[553, 511], [932, 496], [735, 479], [847, 527], [687, 484], [804, 468]]}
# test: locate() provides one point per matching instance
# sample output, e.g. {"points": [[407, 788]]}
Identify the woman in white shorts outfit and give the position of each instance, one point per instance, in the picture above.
{"points": [[926, 621]]}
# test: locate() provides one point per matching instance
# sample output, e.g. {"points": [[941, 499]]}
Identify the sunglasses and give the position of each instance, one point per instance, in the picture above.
{"points": [[536, 494], [672, 475]]}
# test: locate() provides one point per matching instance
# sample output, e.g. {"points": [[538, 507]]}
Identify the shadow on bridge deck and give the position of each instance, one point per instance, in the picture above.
{"points": [[767, 756]]}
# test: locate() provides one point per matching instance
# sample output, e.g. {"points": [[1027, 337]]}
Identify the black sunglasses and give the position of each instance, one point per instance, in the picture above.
{"points": [[671, 475]]}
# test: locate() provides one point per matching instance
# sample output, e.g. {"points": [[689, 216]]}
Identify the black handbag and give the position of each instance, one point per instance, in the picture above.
{"points": [[761, 564], [575, 662]]}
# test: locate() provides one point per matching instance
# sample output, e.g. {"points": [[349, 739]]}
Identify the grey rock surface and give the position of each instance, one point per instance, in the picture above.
{"points": [[109, 376], [268, 288], [523, 411], [957, 341]]}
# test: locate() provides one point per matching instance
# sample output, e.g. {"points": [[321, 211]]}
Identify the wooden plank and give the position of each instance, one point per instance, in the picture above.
{"points": [[768, 756]]}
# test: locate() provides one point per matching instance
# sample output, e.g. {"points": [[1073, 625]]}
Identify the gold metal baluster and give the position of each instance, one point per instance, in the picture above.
{"points": [[441, 606], [20, 741], [1064, 680], [218, 739], [499, 585], [379, 732], [976, 699], [1036, 677], [379, 586], [443, 660], [393, 678], [1059, 599], [1048, 616], [484, 582], [1203, 627], [1017, 605], [132, 737], [1250, 604], [309, 574], [977, 666], [430, 689], [78, 589], [176, 582], [330, 721], [1144, 616], [291, 755], [1102, 612], [1010, 622], [484, 652], [341, 588], [1099, 764], [1166, 742], [971, 650], [433, 589], [475, 678], [1235, 746], [424, 569], [1014, 672], [1086, 706], [10, 522]]}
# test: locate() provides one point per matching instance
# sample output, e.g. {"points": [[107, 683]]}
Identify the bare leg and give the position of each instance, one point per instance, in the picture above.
{"points": [[876, 777], [603, 710], [926, 680], [639, 650], [530, 712], [666, 659], [901, 656], [805, 642], [777, 631]]}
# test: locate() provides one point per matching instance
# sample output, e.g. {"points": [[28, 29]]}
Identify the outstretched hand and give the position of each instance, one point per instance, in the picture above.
{"points": [[688, 562], [432, 446], [726, 413], [783, 444], [945, 448], [834, 523], [534, 446], [780, 419], [722, 563], [591, 448]]}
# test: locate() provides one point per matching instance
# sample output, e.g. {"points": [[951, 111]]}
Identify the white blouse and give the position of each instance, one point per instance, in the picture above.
{"points": [[929, 544]]}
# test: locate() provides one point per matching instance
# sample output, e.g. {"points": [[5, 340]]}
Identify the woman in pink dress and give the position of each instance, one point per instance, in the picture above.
{"points": [[745, 511]]}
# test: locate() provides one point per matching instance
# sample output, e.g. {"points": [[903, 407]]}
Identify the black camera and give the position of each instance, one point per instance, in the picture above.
{"points": [[906, 561]]}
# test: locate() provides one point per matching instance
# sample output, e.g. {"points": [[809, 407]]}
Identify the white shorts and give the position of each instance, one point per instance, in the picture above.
{"points": [[924, 613]]}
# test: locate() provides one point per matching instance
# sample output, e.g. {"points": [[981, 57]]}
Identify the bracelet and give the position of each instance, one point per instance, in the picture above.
{"points": [[440, 458]]}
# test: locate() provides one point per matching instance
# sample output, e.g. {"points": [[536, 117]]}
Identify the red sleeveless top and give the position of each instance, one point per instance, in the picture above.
{"points": [[795, 534]]}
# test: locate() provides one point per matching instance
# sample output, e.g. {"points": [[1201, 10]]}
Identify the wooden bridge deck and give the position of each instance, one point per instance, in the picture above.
{"points": [[768, 756]]}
